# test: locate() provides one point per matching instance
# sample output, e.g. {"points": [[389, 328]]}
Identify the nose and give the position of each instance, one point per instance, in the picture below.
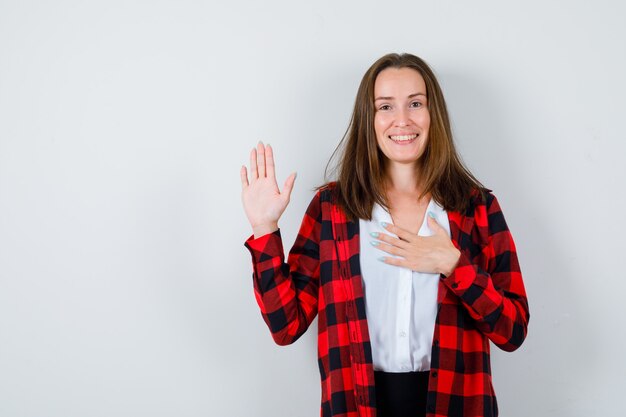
{"points": [[402, 117]]}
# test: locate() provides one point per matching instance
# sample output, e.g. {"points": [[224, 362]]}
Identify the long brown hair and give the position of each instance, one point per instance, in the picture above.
{"points": [[361, 166]]}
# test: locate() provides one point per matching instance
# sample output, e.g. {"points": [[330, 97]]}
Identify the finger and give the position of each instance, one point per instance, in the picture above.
{"points": [[433, 224], [288, 187], [269, 162], [260, 158], [393, 261], [392, 240], [254, 173], [393, 250], [244, 177], [398, 231]]}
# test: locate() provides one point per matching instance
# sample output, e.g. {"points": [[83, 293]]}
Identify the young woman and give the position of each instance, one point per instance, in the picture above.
{"points": [[406, 259]]}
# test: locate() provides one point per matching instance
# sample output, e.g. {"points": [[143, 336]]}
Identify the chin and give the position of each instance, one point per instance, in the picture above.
{"points": [[404, 158]]}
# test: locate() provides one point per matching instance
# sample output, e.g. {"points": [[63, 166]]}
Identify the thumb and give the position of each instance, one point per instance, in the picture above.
{"points": [[288, 187], [434, 226]]}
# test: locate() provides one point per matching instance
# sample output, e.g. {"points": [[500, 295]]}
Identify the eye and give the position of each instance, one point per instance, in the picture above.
{"points": [[416, 104], [384, 107]]}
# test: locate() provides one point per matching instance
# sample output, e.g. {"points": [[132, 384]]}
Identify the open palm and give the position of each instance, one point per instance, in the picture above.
{"points": [[263, 202]]}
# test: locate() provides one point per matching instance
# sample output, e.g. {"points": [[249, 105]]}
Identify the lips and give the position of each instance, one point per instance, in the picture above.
{"points": [[403, 138]]}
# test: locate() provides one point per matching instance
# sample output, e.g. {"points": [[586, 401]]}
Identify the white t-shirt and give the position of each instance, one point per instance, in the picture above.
{"points": [[401, 305]]}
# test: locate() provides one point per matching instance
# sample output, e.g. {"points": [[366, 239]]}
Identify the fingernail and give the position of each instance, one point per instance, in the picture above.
{"points": [[374, 234], [384, 224], [431, 214], [382, 259], [374, 243]]}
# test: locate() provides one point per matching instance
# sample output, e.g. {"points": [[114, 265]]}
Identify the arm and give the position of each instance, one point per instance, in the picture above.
{"points": [[496, 297], [287, 292]]}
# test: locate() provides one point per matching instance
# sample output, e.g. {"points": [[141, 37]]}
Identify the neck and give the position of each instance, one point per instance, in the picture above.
{"points": [[403, 179]]}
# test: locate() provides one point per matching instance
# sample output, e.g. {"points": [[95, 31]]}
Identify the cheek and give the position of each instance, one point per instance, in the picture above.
{"points": [[378, 128], [425, 122], [380, 125]]}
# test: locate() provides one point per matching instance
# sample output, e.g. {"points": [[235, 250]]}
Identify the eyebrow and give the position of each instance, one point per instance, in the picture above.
{"points": [[391, 98]]}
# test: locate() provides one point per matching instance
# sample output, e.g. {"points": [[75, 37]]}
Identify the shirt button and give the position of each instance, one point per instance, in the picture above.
{"points": [[402, 334], [455, 285], [434, 374]]}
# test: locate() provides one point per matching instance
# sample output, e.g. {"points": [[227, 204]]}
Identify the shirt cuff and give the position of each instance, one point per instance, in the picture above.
{"points": [[462, 276], [265, 247]]}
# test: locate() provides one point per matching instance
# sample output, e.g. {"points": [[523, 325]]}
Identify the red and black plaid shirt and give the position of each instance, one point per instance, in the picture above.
{"points": [[483, 299]]}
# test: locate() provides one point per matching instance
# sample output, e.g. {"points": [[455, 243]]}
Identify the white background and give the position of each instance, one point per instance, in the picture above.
{"points": [[125, 288]]}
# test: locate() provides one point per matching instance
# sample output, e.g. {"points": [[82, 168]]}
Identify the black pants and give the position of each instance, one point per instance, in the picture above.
{"points": [[401, 394]]}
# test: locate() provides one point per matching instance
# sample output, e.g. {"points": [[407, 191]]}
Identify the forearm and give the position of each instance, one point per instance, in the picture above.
{"points": [[286, 292], [502, 315]]}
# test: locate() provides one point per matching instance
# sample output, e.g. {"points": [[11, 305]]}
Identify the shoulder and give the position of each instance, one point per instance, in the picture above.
{"points": [[487, 212], [486, 200], [480, 199], [326, 192], [322, 200], [482, 211]]}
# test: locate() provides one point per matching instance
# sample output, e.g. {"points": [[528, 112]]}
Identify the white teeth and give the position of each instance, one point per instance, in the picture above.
{"points": [[403, 138]]}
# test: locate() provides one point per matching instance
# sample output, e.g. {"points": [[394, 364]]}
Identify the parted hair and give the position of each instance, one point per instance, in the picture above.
{"points": [[360, 168]]}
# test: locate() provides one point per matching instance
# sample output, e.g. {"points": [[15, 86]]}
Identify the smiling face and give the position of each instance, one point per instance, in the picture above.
{"points": [[402, 119]]}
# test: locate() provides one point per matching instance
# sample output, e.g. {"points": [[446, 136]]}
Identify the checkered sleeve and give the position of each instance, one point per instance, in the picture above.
{"points": [[493, 291], [287, 292]]}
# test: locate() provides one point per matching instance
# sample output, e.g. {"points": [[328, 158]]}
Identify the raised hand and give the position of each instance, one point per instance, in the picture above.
{"points": [[263, 202], [429, 254]]}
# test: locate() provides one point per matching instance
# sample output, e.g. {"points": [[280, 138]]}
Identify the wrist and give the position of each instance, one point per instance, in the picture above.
{"points": [[451, 262], [264, 229]]}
